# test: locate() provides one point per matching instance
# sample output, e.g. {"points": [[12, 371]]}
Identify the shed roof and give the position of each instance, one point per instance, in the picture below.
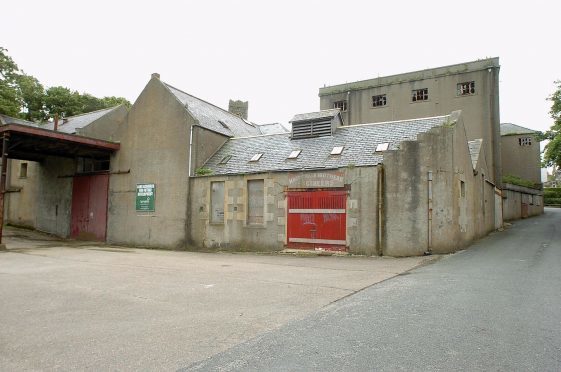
{"points": [[509, 129], [72, 123], [272, 128], [5, 119], [323, 114], [359, 142], [213, 117]]}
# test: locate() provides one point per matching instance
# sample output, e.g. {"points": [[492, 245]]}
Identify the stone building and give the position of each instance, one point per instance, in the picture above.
{"points": [[520, 151]]}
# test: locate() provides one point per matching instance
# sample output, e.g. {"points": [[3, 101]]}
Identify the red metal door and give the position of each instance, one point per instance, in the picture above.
{"points": [[89, 207], [317, 220]]}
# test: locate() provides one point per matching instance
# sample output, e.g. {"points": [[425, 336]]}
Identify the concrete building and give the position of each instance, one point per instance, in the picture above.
{"points": [[472, 87], [520, 152]]}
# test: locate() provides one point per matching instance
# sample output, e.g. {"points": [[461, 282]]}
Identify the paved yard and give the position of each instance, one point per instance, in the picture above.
{"points": [[68, 305]]}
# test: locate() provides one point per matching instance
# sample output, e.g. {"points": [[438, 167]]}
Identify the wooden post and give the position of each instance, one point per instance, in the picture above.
{"points": [[5, 139]]}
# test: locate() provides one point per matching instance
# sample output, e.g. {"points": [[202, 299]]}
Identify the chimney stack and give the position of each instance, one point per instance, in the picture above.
{"points": [[239, 108]]}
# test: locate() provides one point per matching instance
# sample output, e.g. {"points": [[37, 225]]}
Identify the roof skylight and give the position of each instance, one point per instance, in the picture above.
{"points": [[225, 159], [223, 124], [382, 147], [337, 150], [294, 154], [256, 157]]}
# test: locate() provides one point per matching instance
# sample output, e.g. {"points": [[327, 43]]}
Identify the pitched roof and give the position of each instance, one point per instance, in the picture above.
{"points": [[213, 117], [272, 128], [474, 151], [5, 119], [323, 114], [359, 141], [508, 129], [72, 123]]}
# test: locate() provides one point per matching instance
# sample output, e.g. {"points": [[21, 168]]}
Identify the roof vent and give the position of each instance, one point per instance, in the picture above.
{"points": [[315, 124]]}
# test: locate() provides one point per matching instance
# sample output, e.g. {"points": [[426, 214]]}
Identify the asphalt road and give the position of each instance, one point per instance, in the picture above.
{"points": [[494, 307]]}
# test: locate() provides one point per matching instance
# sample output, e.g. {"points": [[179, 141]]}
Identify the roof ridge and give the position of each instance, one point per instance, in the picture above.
{"points": [[92, 112], [520, 126], [208, 103], [393, 122]]}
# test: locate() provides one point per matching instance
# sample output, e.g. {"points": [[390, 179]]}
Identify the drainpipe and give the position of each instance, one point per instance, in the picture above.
{"points": [[3, 186], [190, 148], [429, 232], [380, 202]]}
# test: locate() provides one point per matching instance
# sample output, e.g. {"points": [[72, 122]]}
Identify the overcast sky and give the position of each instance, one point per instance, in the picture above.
{"points": [[276, 54]]}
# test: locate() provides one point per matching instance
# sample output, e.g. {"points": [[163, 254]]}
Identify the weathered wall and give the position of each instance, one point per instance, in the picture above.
{"points": [[434, 215], [205, 144], [107, 126], [480, 110], [154, 147], [521, 161], [235, 234], [20, 205], [516, 199]]}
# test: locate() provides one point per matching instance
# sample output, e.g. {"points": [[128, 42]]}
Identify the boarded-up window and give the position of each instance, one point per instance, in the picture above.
{"points": [[217, 202], [255, 202]]}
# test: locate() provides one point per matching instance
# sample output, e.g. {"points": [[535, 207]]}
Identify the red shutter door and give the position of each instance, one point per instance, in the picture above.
{"points": [[89, 207], [317, 220]]}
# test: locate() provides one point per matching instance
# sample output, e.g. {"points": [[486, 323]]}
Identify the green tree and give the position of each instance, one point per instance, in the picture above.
{"points": [[62, 101], [552, 153], [31, 98], [8, 87]]}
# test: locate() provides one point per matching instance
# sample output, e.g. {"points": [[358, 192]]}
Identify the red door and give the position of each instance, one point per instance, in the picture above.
{"points": [[317, 220], [89, 207]]}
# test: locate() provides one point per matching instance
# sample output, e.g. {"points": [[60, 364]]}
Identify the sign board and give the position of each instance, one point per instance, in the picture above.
{"points": [[305, 180], [145, 197]]}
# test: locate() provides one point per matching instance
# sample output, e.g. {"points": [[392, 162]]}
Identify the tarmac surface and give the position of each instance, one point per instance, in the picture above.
{"points": [[69, 305]]}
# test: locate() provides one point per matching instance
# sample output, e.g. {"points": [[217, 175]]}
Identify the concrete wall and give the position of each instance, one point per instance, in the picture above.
{"points": [[521, 161], [235, 234], [45, 197], [154, 148], [517, 198], [106, 127], [424, 215], [480, 110]]}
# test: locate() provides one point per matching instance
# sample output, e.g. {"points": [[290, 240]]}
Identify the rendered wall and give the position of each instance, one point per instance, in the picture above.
{"points": [[106, 127], [480, 110], [154, 149], [20, 205], [521, 161], [424, 215], [514, 197], [235, 234]]}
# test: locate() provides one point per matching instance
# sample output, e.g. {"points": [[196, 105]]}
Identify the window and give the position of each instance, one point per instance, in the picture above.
{"points": [[525, 141], [256, 157], [465, 89], [379, 100], [225, 159], [294, 154], [337, 150], [23, 170], [382, 147], [255, 202], [87, 165], [341, 105], [420, 95], [462, 189], [217, 202]]}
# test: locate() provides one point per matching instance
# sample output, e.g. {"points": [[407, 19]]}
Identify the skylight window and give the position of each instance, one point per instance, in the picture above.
{"points": [[337, 150], [382, 147], [223, 124], [294, 154], [225, 159], [256, 157]]}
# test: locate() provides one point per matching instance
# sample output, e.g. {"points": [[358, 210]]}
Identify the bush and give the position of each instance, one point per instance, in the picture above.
{"points": [[552, 196], [552, 201]]}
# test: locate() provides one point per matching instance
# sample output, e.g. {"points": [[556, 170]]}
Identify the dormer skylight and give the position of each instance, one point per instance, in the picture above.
{"points": [[256, 157], [382, 146], [225, 159], [337, 150], [294, 154]]}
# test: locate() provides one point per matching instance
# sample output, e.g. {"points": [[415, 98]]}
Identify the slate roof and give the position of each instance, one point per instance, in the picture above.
{"points": [[475, 150], [272, 128], [5, 119], [508, 129], [210, 116], [360, 143], [315, 115], [72, 123]]}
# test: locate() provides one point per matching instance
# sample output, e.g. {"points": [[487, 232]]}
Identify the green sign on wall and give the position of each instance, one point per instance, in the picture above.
{"points": [[145, 195]]}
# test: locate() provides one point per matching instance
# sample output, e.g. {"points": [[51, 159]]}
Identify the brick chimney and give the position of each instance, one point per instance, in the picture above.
{"points": [[239, 108]]}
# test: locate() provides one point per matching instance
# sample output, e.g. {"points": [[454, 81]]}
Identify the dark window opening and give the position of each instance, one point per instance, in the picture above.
{"points": [[379, 100], [465, 89], [23, 170], [341, 105], [89, 165], [525, 141], [420, 95]]}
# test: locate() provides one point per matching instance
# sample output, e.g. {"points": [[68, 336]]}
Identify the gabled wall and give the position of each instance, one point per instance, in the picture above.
{"points": [[107, 126], [521, 161], [154, 149], [424, 207]]}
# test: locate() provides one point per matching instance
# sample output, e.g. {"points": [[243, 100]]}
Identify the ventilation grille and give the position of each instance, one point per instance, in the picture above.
{"points": [[311, 129]]}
